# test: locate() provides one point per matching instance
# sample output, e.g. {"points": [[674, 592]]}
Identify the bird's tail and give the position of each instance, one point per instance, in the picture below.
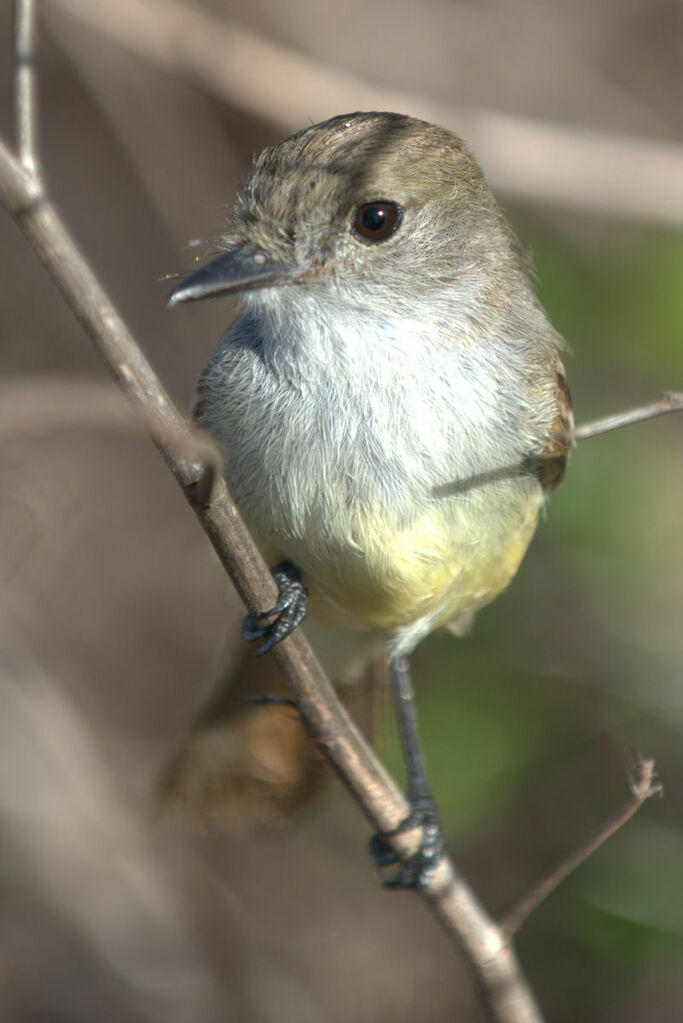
{"points": [[247, 763]]}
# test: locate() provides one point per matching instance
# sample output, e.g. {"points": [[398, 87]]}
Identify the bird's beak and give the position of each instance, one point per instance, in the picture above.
{"points": [[242, 268]]}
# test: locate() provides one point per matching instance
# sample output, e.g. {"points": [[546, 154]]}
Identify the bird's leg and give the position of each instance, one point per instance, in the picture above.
{"points": [[417, 870], [288, 611]]}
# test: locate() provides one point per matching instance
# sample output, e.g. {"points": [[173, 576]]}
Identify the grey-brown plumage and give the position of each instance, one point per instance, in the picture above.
{"points": [[390, 398]]}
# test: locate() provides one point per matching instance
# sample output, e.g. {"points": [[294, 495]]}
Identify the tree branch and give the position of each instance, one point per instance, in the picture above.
{"points": [[668, 401], [26, 105], [488, 951], [643, 786]]}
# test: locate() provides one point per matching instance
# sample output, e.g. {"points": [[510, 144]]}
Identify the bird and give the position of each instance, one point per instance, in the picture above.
{"points": [[392, 407]]}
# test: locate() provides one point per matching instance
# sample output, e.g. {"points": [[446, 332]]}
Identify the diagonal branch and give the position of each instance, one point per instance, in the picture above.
{"points": [[488, 951], [452, 901], [643, 787]]}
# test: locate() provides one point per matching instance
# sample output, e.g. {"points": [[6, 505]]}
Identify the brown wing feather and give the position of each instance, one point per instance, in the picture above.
{"points": [[556, 454]]}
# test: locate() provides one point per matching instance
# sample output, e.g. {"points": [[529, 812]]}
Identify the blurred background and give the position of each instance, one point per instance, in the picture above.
{"points": [[114, 615]]}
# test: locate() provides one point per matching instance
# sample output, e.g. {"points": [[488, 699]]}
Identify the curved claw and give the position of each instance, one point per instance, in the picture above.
{"points": [[381, 852], [416, 870], [287, 612]]}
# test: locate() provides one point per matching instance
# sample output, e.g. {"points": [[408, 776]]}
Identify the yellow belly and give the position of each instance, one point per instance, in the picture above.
{"points": [[449, 560]]}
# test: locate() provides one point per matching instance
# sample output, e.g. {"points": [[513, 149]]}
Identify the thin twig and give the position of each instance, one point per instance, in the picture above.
{"points": [[489, 953], [643, 786], [668, 401], [531, 159], [25, 88]]}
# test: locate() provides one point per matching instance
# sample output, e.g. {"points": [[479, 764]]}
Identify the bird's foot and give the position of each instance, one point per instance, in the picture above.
{"points": [[287, 612], [417, 869]]}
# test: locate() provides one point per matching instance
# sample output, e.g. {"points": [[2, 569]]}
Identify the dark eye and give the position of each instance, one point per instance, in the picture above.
{"points": [[377, 221]]}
